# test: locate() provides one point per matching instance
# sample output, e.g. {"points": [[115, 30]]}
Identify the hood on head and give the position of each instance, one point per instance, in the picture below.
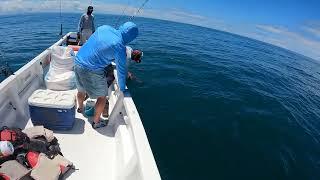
{"points": [[129, 32]]}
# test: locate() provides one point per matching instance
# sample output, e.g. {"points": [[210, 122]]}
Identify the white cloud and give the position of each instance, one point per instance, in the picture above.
{"points": [[313, 30], [272, 29], [20, 6], [13, 6], [185, 17], [291, 40]]}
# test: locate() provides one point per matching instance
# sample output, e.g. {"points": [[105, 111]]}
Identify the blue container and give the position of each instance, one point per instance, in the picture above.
{"points": [[54, 110], [89, 107], [52, 118], [89, 111]]}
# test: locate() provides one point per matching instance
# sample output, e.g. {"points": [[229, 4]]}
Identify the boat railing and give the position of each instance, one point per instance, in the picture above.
{"points": [[142, 157]]}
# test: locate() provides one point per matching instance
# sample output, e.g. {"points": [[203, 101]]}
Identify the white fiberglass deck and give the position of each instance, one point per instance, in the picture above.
{"points": [[92, 151]]}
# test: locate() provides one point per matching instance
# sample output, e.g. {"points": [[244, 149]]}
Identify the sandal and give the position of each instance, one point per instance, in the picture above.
{"points": [[80, 110], [105, 115], [100, 124]]}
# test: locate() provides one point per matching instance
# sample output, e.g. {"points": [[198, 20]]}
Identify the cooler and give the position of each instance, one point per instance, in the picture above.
{"points": [[54, 110]]}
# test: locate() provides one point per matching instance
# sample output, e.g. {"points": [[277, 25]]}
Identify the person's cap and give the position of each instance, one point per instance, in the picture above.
{"points": [[137, 55]]}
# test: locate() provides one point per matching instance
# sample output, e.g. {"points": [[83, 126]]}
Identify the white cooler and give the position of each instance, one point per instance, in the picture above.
{"points": [[54, 110]]}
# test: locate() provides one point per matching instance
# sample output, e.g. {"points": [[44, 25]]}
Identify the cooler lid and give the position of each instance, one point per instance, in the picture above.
{"points": [[52, 99]]}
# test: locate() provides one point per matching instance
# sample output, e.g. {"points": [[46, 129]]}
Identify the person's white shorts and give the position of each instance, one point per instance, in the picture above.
{"points": [[85, 35]]}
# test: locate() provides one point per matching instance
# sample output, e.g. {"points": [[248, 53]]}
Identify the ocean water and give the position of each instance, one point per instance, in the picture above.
{"points": [[214, 105]]}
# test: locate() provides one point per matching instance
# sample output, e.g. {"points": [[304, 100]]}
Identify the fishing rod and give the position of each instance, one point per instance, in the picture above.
{"points": [[60, 20], [138, 11], [122, 14], [133, 16]]}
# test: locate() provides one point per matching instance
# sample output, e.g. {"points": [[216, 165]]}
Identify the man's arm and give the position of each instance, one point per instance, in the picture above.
{"points": [[93, 25], [80, 24], [120, 59]]}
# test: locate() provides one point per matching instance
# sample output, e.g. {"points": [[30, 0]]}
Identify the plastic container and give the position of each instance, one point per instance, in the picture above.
{"points": [[54, 110], [6, 148]]}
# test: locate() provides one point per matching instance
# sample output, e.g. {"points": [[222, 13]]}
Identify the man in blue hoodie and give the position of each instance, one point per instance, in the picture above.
{"points": [[104, 46]]}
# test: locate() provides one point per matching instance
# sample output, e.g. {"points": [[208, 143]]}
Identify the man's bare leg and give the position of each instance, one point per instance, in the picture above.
{"points": [[106, 110], [99, 107], [81, 97]]}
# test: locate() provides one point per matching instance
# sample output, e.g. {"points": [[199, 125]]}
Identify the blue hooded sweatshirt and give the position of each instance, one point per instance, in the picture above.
{"points": [[104, 46]]}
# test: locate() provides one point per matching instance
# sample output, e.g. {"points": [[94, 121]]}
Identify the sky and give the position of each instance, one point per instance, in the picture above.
{"points": [[291, 24]]}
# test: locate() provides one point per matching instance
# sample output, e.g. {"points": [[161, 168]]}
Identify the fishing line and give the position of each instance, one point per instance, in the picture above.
{"points": [[135, 13], [122, 15], [138, 11]]}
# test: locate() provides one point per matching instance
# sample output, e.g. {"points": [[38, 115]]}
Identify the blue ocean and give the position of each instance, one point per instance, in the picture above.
{"points": [[214, 105]]}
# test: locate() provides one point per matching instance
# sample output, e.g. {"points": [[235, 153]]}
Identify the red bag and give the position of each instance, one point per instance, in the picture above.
{"points": [[14, 135], [4, 177], [32, 158]]}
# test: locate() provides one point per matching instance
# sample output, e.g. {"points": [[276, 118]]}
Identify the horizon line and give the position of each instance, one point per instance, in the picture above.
{"points": [[163, 19]]}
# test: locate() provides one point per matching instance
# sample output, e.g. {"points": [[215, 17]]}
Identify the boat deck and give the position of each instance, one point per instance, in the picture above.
{"points": [[92, 151], [118, 151]]}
